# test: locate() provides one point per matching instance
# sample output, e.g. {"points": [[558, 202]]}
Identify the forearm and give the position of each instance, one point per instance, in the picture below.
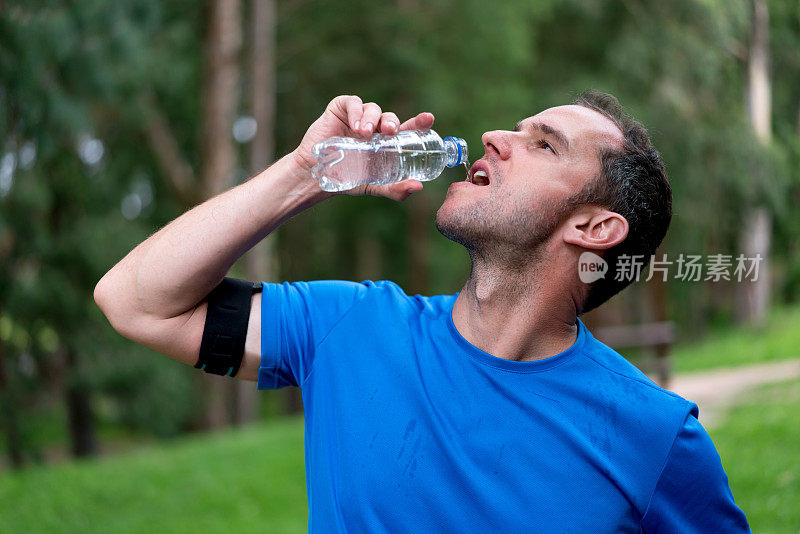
{"points": [[175, 268]]}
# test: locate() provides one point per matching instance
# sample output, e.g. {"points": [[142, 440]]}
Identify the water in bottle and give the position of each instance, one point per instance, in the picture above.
{"points": [[344, 163]]}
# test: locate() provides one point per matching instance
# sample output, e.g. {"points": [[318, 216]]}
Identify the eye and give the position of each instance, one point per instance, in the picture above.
{"points": [[545, 145]]}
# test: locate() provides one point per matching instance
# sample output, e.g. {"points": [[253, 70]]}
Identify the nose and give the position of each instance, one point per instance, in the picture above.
{"points": [[496, 142]]}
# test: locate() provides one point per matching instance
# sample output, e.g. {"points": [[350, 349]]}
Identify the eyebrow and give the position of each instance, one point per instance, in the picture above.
{"points": [[558, 135]]}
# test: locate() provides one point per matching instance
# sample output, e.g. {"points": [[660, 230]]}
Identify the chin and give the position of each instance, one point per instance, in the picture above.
{"points": [[460, 226]]}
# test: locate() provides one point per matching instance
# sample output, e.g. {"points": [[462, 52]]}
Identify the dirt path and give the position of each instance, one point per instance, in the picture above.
{"points": [[717, 390]]}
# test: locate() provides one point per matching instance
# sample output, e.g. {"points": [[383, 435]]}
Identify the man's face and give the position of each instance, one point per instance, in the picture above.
{"points": [[530, 173]]}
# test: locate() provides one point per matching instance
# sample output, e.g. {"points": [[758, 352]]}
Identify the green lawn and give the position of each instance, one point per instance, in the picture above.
{"points": [[253, 480], [779, 339], [759, 444], [246, 481]]}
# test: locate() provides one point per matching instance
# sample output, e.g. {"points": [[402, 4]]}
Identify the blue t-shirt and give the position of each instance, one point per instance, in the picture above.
{"points": [[410, 428]]}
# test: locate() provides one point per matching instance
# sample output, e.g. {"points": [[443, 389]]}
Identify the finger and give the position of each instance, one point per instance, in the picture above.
{"points": [[398, 191], [353, 108], [388, 123], [370, 118], [346, 108], [402, 190], [423, 121]]}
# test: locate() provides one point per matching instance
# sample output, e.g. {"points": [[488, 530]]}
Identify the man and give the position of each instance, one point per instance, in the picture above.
{"points": [[493, 410]]}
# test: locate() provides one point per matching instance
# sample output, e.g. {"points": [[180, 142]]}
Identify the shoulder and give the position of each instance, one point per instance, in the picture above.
{"points": [[649, 411], [647, 418], [379, 300], [629, 381], [390, 295]]}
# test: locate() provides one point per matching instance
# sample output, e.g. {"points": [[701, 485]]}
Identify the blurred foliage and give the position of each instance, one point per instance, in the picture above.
{"points": [[79, 186], [73, 134]]}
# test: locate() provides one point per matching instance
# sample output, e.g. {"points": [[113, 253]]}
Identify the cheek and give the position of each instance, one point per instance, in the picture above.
{"points": [[551, 179], [502, 210], [552, 194], [517, 199]]}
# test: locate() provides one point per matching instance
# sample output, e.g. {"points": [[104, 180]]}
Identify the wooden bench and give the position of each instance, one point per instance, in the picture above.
{"points": [[657, 337]]}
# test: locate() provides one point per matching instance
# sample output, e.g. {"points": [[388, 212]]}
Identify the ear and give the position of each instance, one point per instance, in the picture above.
{"points": [[596, 229]]}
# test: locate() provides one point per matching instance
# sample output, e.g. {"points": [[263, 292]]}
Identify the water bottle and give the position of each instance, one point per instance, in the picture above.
{"points": [[344, 163]]}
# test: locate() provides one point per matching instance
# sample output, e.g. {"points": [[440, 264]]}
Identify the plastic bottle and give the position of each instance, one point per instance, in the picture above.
{"points": [[344, 163]]}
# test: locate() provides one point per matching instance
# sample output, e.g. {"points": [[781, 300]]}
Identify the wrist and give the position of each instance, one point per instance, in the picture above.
{"points": [[300, 163], [300, 168], [291, 182]]}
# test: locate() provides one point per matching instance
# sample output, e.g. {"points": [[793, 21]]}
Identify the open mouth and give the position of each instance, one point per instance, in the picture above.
{"points": [[478, 175]]}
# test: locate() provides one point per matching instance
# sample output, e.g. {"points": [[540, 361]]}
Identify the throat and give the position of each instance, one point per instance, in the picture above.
{"points": [[513, 314], [492, 283]]}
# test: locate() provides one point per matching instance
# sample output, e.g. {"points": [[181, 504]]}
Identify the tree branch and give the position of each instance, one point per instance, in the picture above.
{"points": [[175, 168]]}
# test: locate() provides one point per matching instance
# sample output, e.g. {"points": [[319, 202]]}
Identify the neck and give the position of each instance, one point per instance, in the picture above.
{"points": [[517, 311]]}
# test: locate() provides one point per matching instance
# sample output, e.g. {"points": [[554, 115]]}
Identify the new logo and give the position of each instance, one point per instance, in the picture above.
{"points": [[591, 267]]}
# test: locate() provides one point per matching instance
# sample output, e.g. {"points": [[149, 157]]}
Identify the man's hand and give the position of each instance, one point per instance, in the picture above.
{"points": [[348, 116]]}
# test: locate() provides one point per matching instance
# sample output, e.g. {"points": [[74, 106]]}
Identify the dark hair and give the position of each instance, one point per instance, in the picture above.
{"points": [[634, 184]]}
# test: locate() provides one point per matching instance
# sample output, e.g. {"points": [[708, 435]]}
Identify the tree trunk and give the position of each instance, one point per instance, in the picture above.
{"points": [[260, 263], [419, 219], [759, 99], [658, 300], [262, 85], [220, 98], [79, 411], [753, 297], [10, 419], [369, 265], [798, 120]]}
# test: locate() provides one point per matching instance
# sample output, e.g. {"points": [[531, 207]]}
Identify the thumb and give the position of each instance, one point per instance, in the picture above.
{"points": [[402, 190], [397, 191]]}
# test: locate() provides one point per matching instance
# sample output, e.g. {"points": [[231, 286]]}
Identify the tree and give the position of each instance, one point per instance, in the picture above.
{"points": [[753, 298], [71, 154], [260, 262]]}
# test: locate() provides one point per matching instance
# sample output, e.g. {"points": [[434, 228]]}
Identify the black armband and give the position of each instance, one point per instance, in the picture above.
{"points": [[222, 347]]}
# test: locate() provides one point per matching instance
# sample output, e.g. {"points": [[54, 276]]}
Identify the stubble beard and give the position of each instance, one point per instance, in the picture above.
{"points": [[515, 237]]}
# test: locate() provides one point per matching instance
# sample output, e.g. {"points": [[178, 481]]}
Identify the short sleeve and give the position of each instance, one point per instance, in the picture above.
{"points": [[295, 318], [692, 494]]}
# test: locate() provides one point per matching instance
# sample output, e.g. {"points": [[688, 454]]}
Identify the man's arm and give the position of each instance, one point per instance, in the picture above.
{"points": [[155, 295]]}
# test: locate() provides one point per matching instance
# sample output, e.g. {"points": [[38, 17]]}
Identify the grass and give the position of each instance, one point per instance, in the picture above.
{"points": [[244, 481], [759, 444], [779, 339], [253, 480]]}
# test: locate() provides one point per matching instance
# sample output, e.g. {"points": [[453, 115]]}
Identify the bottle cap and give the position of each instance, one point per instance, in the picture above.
{"points": [[461, 147]]}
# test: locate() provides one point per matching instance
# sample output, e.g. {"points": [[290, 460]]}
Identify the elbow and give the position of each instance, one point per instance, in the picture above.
{"points": [[114, 302], [101, 295], [109, 304]]}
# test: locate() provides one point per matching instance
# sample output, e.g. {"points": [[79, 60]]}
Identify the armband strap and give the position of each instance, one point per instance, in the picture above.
{"points": [[222, 347]]}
